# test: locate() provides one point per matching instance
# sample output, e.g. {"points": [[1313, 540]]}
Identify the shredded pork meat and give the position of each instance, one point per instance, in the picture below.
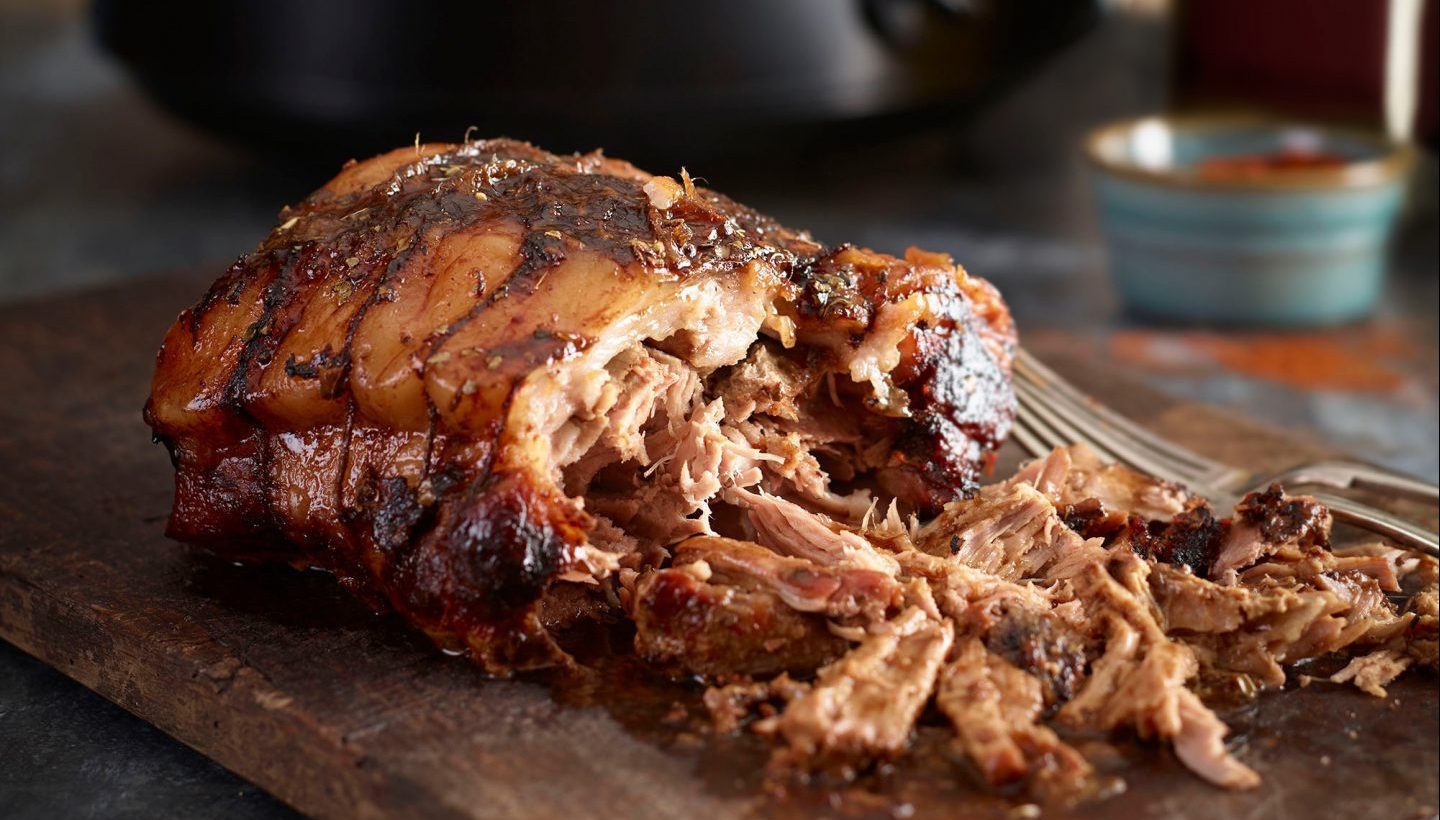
{"points": [[995, 709], [1075, 597], [864, 706]]}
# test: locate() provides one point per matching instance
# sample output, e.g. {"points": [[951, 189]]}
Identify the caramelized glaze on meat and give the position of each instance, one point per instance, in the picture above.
{"points": [[393, 384]]}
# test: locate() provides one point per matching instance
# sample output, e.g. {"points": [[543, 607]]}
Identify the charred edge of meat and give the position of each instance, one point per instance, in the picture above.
{"points": [[1090, 519], [710, 630], [960, 405], [476, 571], [514, 544], [1054, 652], [1191, 539], [329, 367], [228, 484], [1282, 518], [280, 310], [397, 512]]}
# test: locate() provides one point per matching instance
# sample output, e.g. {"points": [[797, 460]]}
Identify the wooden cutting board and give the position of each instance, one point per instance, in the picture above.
{"points": [[339, 712]]}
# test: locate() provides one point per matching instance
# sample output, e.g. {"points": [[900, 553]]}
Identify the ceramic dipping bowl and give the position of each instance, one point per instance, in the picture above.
{"points": [[1246, 220]]}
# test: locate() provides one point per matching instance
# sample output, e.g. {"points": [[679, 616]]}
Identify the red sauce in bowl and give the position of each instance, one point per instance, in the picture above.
{"points": [[1253, 166]]}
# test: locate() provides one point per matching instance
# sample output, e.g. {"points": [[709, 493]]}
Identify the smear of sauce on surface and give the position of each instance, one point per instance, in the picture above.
{"points": [[1355, 361]]}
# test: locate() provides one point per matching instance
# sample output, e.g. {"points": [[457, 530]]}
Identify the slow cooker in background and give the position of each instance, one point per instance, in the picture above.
{"points": [[652, 81]]}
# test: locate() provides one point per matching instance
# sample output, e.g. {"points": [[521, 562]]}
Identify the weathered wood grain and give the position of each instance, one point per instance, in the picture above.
{"points": [[285, 680]]}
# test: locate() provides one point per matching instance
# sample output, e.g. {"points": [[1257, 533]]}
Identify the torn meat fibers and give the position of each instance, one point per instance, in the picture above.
{"points": [[1053, 631]]}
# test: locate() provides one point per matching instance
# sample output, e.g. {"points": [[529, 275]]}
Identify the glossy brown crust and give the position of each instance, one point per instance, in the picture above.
{"points": [[345, 395], [1281, 518], [707, 629], [1045, 647]]}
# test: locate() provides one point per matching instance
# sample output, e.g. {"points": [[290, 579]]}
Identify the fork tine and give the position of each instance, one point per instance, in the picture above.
{"points": [[1109, 443], [1051, 383], [1061, 432], [1030, 369], [1084, 419], [1405, 533], [1038, 436], [1054, 413], [1346, 475], [1027, 439]]}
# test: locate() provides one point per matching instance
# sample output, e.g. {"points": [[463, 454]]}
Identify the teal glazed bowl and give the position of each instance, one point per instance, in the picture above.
{"points": [[1241, 220]]}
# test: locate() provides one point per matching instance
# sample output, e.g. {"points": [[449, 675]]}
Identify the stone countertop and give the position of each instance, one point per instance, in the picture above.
{"points": [[97, 185]]}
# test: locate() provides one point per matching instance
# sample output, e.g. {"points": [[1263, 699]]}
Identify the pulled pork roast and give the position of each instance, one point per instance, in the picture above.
{"points": [[503, 392], [1075, 598]]}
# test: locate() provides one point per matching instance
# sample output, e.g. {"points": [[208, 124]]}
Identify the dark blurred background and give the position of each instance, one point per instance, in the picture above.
{"points": [[142, 138]]}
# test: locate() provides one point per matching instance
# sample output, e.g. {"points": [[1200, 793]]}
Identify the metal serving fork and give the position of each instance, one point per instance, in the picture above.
{"points": [[1054, 413]]}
